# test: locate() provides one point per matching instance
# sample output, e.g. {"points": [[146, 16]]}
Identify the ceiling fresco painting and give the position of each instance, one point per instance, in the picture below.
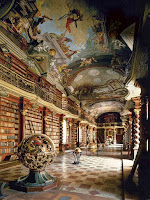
{"points": [[104, 107], [84, 45]]}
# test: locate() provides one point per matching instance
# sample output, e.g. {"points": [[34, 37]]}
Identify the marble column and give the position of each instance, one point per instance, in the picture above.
{"points": [[142, 159], [133, 144], [131, 136], [137, 131], [144, 122], [70, 134], [144, 151], [136, 124], [125, 123], [90, 133], [114, 135], [83, 134], [95, 134], [77, 134]]}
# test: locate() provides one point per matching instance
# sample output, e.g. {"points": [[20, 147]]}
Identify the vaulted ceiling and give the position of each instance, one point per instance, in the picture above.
{"points": [[84, 45]]}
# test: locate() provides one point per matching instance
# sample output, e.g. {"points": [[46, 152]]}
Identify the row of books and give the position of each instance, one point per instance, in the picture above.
{"points": [[10, 131], [52, 130], [51, 122], [10, 125], [9, 109], [33, 112], [36, 128], [30, 116], [29, 132], [8, 101], [8, 137], [9, 105], [9, 114], [3, 144], [49, 129], [53, 137], [35, 123], [6, 119], [8, 150]]}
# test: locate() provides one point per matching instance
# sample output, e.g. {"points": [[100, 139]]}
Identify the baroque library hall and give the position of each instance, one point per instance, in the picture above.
{"points": [[74, 99]]}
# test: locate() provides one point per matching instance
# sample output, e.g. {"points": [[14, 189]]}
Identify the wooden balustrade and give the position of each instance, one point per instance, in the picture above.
{"points": [[18, 74]]}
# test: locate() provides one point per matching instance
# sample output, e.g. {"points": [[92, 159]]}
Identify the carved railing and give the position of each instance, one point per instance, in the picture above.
{"points": [[26, 80], [89, 118], [16, 72], [82, 114], [109, 124], [86, 116], [69, 105]]}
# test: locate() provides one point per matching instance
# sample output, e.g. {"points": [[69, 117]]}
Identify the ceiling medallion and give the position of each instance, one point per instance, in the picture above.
{"points": [[97, 80], [71, 88], [78, 78], [110, 71], [93, 72]]}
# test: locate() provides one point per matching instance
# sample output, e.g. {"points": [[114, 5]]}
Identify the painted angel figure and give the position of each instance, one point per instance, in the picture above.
{"points": [[73, 16], [61, 68], [53, 65], [67, 71], [87, 61]]}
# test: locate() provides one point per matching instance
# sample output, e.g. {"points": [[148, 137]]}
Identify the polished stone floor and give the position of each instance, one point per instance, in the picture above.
{"points": [[97, 177]]}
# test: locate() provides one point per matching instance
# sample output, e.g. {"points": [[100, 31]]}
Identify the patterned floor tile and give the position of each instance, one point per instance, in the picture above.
{"points": [[99, 176]]}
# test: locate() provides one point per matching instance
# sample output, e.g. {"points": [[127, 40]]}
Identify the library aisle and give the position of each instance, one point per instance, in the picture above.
{"points": [[97, 177]]}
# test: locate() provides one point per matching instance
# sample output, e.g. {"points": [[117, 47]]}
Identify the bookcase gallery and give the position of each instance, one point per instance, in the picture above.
{"points": [[75, 98], [30, 104]]}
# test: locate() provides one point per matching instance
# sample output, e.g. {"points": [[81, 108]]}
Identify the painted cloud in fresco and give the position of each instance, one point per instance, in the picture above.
{"points": [[107, 106], [56, 8], [82, 25], [62, 36]]}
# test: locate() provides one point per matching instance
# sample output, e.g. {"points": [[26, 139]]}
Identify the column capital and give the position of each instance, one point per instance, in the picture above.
{"points": [[61, 118], [143, 83], [70, 124], [137, 102], [130, 119]]}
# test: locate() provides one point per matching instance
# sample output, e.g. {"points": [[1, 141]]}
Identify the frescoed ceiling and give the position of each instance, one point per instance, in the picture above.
{"points": [[84, 45]]}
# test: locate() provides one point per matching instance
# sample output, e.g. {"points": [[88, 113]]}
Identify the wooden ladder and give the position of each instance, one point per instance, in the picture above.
{"points": [[31, 127]]}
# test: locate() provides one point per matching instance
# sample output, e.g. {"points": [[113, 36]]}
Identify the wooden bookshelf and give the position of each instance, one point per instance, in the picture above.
{"points": [[33, 121], [9, 123], [52, 125]]}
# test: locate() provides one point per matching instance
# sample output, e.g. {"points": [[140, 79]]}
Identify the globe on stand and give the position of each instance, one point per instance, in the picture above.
{"points": [[36, 152], [77, 154]]}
